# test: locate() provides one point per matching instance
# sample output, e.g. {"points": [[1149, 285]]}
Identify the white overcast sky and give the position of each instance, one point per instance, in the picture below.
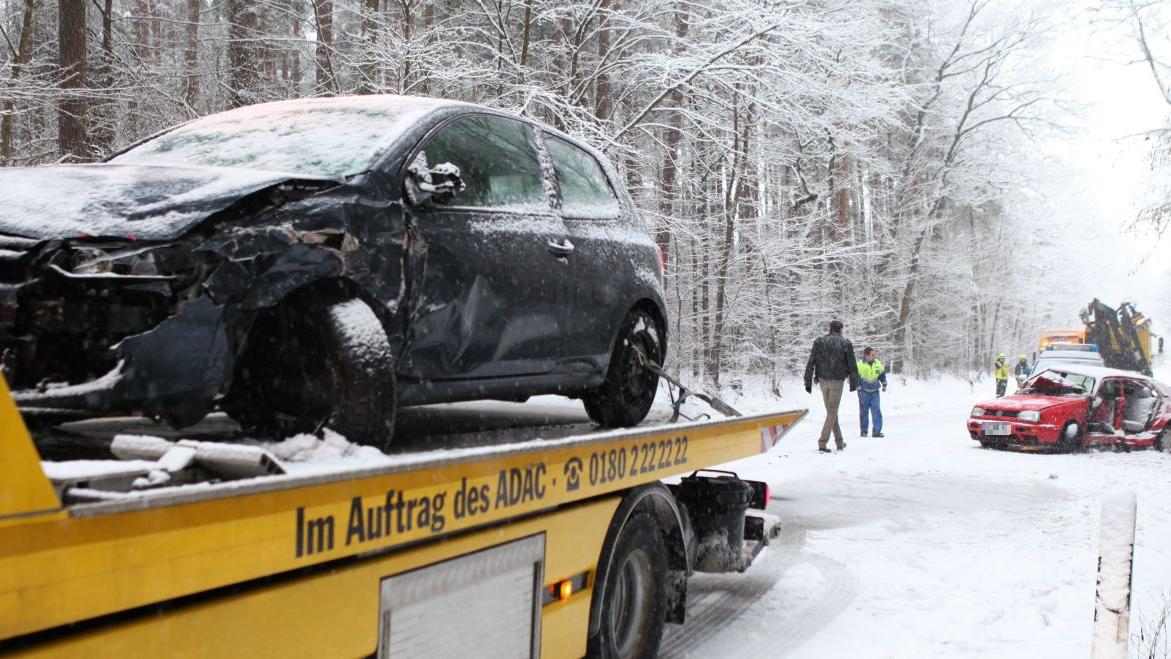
{"points": [[1100, 172]]}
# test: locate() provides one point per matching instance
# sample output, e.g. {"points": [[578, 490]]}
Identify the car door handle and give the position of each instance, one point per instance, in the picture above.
{"points": [[563, 248]]}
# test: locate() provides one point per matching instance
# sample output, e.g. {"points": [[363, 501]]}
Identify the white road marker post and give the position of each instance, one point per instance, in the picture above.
{"points": [[1115, 561]]}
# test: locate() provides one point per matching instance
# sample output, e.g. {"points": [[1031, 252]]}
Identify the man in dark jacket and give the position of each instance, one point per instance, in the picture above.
{"points": [[831, 363]]}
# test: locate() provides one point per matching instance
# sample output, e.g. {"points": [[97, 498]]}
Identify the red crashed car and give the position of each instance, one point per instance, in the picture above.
{"points": [[1075, 407]]}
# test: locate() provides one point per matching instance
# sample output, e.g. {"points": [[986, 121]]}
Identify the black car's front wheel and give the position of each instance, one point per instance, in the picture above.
{"points": [[626, 395], [321, 366]]}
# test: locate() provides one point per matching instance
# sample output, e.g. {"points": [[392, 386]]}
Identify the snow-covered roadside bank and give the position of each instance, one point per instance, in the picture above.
{"points": [[924, 544]]}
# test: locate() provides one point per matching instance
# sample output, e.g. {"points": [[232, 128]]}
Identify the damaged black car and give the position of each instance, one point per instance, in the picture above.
{"points": [[322, 262]]}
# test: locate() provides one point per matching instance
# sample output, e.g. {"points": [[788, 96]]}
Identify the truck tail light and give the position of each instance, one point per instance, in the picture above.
{"points": [[662, 261]]}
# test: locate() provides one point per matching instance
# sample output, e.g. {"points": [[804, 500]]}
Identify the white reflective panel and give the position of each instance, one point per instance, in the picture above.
{"points": [[485, 604]]}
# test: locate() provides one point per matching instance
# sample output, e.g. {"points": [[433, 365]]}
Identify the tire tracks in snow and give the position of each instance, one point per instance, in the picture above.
{"points": [[720, 600]]}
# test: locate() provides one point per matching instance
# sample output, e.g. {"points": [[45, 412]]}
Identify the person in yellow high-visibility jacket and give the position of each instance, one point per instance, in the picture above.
{"points": [[871, 379], [1000, 370]]}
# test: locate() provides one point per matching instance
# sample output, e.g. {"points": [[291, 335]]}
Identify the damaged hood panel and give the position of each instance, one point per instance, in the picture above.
{"points": [[123, 201]]}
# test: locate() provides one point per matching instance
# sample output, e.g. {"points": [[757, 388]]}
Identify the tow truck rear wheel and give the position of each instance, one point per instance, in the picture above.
{"points": [[625, 397], [634, 591], [325, 366]]}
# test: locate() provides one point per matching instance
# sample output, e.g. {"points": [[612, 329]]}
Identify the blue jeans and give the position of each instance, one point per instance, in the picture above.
{"points": [[868, 405]]}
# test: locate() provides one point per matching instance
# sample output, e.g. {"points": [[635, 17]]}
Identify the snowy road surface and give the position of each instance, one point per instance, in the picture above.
{"points": [[923, 544]]}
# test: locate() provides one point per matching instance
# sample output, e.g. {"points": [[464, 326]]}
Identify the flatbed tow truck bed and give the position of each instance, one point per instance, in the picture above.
{"points": [[522, 549]]}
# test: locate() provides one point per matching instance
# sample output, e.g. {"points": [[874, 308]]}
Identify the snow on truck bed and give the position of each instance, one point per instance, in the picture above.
{"points": [[308, 458]]}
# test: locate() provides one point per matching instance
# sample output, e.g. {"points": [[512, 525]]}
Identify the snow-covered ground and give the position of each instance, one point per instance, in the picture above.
{"points": [[923, 544]]}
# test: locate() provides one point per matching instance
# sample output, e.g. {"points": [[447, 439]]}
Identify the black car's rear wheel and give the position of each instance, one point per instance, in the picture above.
{"points": [[625, 397], [305, 369]]}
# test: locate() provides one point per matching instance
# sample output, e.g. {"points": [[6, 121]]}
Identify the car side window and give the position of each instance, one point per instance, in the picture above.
{"points": [[585, 190], [497, 160]]}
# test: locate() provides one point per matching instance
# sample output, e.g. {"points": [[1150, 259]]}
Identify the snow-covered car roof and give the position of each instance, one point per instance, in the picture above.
{"points": [[330, 136]]}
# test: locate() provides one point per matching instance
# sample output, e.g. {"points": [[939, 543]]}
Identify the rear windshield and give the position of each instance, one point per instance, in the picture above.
{"points": [[325, 137]]}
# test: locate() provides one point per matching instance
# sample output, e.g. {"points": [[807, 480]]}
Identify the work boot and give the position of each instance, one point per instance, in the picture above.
{"points": [[878, 434], [824, 449], [875, 434], [842, 446]]}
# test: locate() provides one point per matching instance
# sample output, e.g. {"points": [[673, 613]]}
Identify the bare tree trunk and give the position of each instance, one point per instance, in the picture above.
{"points": [[326, 82], [671, 141], [242, 53], [71, 43], [526, 33], [102, 124], [424, 73], [738, 199], [191, 54], [369, 69], [408, 33], [295, 77], [604, 100], [842, 196], [23, 52]]}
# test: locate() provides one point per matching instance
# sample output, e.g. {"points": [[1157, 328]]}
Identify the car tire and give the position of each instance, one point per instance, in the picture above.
{"points": [[331, 367], [634, 606], [626, 395], [1163, 441], [1070, 439]]}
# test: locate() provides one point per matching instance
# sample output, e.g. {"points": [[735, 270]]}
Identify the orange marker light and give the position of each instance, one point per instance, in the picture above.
{"points": [[564, 590]]}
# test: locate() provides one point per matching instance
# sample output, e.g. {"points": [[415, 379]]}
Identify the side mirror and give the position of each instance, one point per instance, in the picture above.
{"points": [[438, 184]]}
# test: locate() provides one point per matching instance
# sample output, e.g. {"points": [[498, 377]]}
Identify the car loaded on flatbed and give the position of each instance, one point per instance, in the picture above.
{"points": [[323, 262]]}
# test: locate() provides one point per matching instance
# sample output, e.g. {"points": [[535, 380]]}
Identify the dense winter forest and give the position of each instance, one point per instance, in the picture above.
{"points": [[796, 159]]}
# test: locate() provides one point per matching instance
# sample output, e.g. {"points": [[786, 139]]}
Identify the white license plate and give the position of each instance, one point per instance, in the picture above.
{"points": [[997, 429]]}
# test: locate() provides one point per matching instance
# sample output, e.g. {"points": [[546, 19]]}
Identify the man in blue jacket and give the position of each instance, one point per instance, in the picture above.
{"points": [[871, 380]]}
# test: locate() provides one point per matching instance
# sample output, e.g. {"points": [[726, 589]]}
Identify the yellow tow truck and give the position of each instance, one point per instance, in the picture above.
{"points": [[556, 548]]}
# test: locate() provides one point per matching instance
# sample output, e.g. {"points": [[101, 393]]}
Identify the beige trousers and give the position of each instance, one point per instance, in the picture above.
{"points": [[831, 395]]}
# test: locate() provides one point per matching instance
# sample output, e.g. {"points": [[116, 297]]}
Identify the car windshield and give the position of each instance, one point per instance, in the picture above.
{"points": [[330, 138], [1058, 383]]}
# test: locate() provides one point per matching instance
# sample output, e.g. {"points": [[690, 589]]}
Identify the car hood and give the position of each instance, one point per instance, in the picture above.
{"points": [[1025, 402], [147, 202]]}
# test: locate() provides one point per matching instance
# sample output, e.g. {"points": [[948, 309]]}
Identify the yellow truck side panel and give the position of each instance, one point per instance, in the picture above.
{"points": [[25, 490], [334, 612], [104, 558]]}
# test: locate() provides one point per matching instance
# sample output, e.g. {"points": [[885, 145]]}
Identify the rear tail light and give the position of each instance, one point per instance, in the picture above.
{"points": [[662, 261]]}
